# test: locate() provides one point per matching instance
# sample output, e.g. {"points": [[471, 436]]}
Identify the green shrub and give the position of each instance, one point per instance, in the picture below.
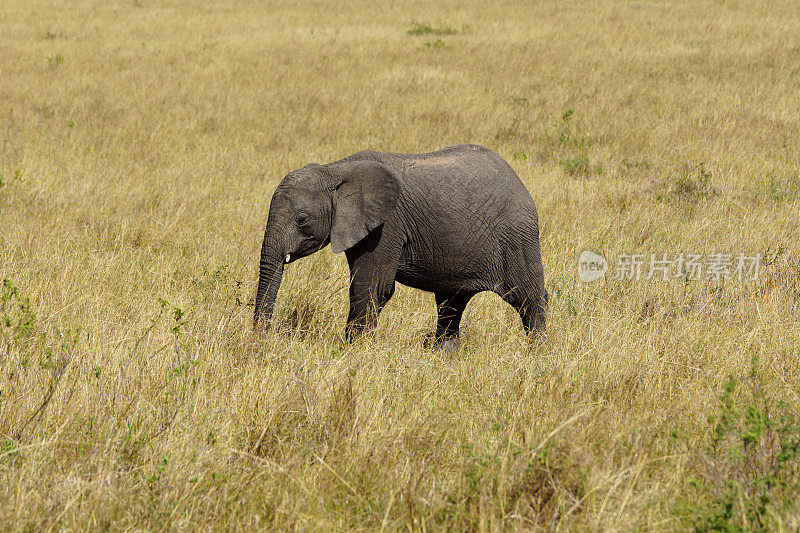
{"points": [[748, 474]]}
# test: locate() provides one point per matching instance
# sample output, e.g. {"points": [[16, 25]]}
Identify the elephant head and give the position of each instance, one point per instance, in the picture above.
{"points": [[338, 203]]}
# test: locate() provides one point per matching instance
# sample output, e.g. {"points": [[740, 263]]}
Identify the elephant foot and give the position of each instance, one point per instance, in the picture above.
{"points": [[448, 345]]}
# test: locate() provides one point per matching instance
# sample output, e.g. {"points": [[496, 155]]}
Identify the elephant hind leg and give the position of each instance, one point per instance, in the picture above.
{"points": [[523, 287], [530, 301], [450, 308]]}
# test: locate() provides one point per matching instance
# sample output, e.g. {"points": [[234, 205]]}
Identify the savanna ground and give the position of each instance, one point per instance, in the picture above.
{"points": [[141, 141]]}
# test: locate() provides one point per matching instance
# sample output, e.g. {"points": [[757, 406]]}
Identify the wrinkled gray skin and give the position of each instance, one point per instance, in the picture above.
{"points": [[453, 222]]}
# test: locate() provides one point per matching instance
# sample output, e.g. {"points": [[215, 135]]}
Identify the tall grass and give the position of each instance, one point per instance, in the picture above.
{"points": [[141, 142]]}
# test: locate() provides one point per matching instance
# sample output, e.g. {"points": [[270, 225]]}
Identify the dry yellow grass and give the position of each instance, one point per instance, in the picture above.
{"points": [[141, 142]]}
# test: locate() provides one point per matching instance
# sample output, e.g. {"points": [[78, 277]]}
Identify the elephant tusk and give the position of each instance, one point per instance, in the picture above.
{"points": [[288, 257]]}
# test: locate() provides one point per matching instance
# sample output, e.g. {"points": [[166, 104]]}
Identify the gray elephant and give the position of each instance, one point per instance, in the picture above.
{"points": [[454, 222]]}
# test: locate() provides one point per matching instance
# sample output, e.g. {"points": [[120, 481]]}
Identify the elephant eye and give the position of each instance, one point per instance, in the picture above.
{"points": [[302, 218]]}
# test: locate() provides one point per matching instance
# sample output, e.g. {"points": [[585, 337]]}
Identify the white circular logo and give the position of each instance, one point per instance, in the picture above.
{"points": [[591, 266]]}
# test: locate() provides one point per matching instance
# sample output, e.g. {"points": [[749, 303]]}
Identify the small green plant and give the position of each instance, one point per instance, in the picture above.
{"points": [[571, 309], [749, 473], [567, 148], [418, 28], [565, 127], [770, 257], [438, 44], [520, 100], [177, 314], [17, 313], [221, 281], [575, 165], [633, 164], [55, 60], [778, 189], [567, 137], [693, 185], [16, 177], [25, 342], [519, 155]]}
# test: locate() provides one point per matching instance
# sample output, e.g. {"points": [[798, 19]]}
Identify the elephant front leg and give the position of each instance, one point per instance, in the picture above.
{"points": [[367, 299], [373, 266]]}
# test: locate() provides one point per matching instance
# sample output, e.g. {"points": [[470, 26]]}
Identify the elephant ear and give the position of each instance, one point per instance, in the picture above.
{"points": [[365, 195]]}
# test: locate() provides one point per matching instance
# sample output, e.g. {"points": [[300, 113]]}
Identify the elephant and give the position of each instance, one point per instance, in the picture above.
{"points": [[454, 222]]}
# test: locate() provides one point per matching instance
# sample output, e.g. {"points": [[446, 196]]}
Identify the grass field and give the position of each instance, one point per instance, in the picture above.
{"points": [[141, 142]]}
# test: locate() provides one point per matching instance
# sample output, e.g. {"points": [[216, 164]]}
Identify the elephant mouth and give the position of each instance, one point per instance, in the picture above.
{"points": [[306, 248]]}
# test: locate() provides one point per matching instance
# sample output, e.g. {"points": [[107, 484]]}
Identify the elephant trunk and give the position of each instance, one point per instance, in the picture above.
{"points": [[269, 281]]}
